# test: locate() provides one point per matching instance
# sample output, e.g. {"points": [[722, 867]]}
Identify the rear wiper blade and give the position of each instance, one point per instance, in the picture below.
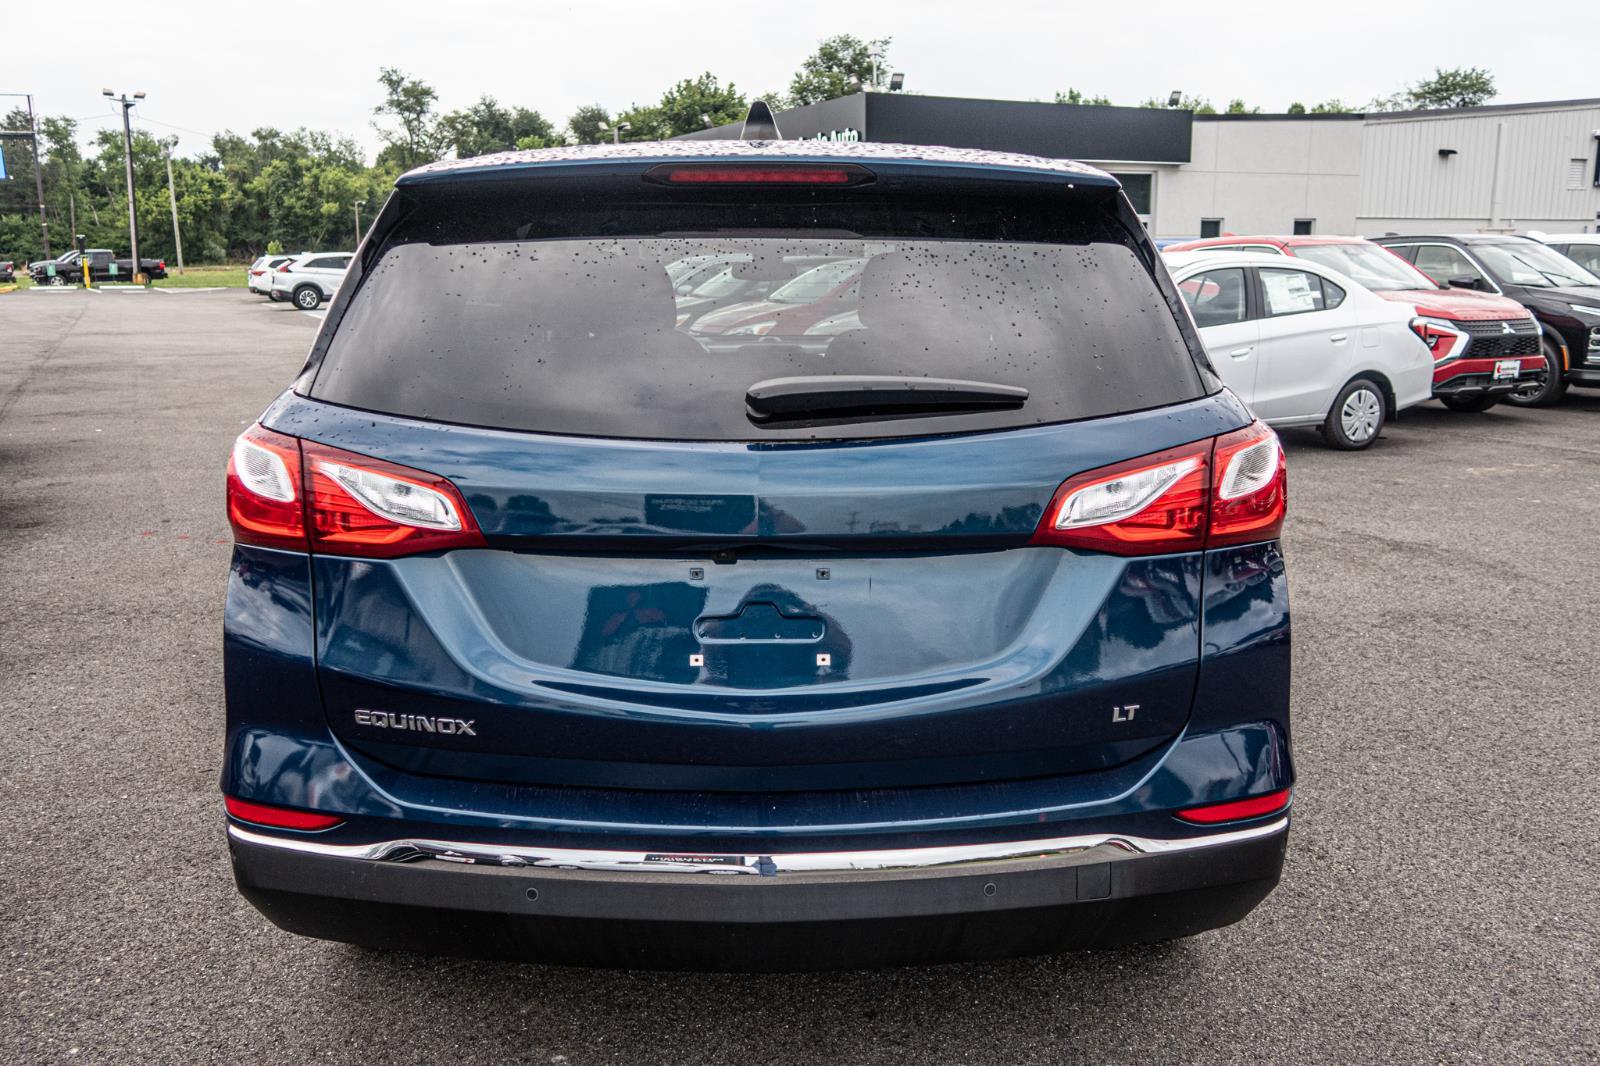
{"points": [[865, 395]]}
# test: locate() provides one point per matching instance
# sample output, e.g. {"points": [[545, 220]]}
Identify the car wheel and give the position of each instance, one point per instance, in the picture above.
{"points": [[1469, 404], [1554, 386], [1356, 418], [274, 297], [307, 297], [56, 279]]}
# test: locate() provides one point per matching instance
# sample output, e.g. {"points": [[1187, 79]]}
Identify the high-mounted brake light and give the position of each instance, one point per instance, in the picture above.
{"points": [[1213, 493], [758, 174], [287, 493], [278, 817], [1442, 338], [1238, 810]]}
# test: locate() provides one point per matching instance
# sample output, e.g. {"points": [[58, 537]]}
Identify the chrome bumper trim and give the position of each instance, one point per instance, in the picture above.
{"points": [[906, 859]]}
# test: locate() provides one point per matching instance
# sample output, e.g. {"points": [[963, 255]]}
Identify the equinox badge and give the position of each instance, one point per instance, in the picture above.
{"points": [[420, 723]]}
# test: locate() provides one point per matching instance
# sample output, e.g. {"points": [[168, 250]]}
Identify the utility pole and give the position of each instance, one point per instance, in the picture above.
{"points": [[38, 179], [127, 155], [38, 172], [177, 238], [357, 206]]}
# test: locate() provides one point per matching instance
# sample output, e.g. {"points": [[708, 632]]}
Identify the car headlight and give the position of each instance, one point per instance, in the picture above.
{"points": [[753, 329]]}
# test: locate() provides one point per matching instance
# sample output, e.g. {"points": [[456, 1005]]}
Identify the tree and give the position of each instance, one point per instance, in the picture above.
{"points": [[685, 108], [410, 103], [1334, 107], [487, 127], [584, 127], [836, 68], [1457, 87], [1236, 106], [1073, 96], [693, 104], [1296, 108]]}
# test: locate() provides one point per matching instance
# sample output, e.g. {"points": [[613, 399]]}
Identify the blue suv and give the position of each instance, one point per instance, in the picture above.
{"points": [[928, 606]]}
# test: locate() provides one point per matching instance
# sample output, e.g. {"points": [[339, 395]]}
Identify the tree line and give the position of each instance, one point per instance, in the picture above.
{"points": [[274, 190]]}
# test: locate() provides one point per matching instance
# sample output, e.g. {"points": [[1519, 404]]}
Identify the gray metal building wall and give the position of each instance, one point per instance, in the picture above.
{"points": [[1513, 168]]}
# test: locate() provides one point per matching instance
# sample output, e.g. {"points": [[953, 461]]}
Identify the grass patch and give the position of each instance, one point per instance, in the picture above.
{"points": [[201, 277], [195, 277]]}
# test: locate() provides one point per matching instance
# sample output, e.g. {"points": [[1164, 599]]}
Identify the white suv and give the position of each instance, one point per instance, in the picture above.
{"points": [[261, 273], [309, 279]]}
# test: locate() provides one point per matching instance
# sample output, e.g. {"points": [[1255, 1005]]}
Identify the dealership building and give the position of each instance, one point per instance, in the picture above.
{"points": [[1499, 168]]}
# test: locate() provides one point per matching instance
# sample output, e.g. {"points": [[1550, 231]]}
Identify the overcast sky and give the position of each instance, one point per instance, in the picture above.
{"points": [[285, 63]]}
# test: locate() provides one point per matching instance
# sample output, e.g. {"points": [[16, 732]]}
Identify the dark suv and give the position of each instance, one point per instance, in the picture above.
{"points": [[957, 627], [1562, 295]]}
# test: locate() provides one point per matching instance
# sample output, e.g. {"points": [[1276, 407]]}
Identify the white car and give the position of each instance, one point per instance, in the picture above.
{"points": [[309, 279], [1581, 248], [261, 273], [1304, 345]]}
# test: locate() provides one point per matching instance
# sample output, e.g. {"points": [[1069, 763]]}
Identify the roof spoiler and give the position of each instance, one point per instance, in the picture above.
{"points": [[759, 125]]}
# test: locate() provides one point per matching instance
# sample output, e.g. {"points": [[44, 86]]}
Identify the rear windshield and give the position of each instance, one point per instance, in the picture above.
{"points": [[652, 320]]}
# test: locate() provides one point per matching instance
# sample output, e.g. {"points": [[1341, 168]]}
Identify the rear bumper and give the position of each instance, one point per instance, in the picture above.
{"points": [[783, 912]]}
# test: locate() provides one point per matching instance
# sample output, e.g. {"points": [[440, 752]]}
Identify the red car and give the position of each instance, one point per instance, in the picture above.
{"points": [[1485, 347]]}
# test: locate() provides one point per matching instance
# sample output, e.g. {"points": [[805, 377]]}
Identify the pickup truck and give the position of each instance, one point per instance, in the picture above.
{"points": [[68, 270]]}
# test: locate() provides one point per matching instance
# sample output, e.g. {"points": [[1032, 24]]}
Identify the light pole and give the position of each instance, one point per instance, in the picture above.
{"points": [[172, 196], [616, 131], [127, 155], [38, 172], [357, 208]]}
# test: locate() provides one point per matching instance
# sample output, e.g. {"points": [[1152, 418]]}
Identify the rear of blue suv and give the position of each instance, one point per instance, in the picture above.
{"points": [[935, 612]]}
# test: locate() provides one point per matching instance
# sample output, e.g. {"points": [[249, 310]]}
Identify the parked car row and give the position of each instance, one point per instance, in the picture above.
{"points": [[306, 279], [1499, 318]]}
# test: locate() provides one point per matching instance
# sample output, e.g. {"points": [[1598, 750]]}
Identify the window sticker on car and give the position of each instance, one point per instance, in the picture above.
{"points": [[1288, 292]]}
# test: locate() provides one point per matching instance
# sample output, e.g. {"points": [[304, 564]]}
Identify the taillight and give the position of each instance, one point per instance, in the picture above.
{"points": [[758, 174], [278, 817], [1249, 494], [287, 493], [1147, 506], [264, 495], [1442, 338], [161, 264], [1213, 493], [1238, 810], [364, 506]]}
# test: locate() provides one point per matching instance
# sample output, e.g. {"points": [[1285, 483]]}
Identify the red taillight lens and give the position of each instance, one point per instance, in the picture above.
{"points": [[287, 493], [1146, 506], [758, 174], [1250, 491], [1238, 810], [1213, 493], [1443, 340], [264, 494], [364, 506], [278, 817]]}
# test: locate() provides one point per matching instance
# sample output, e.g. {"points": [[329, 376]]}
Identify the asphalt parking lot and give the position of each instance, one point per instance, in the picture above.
{"points": [[1441, 903]]}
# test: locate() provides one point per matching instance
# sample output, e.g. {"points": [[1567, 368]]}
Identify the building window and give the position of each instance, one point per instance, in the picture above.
{"points": [[1304, 226], [1139, 188], [1210, 227]]}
